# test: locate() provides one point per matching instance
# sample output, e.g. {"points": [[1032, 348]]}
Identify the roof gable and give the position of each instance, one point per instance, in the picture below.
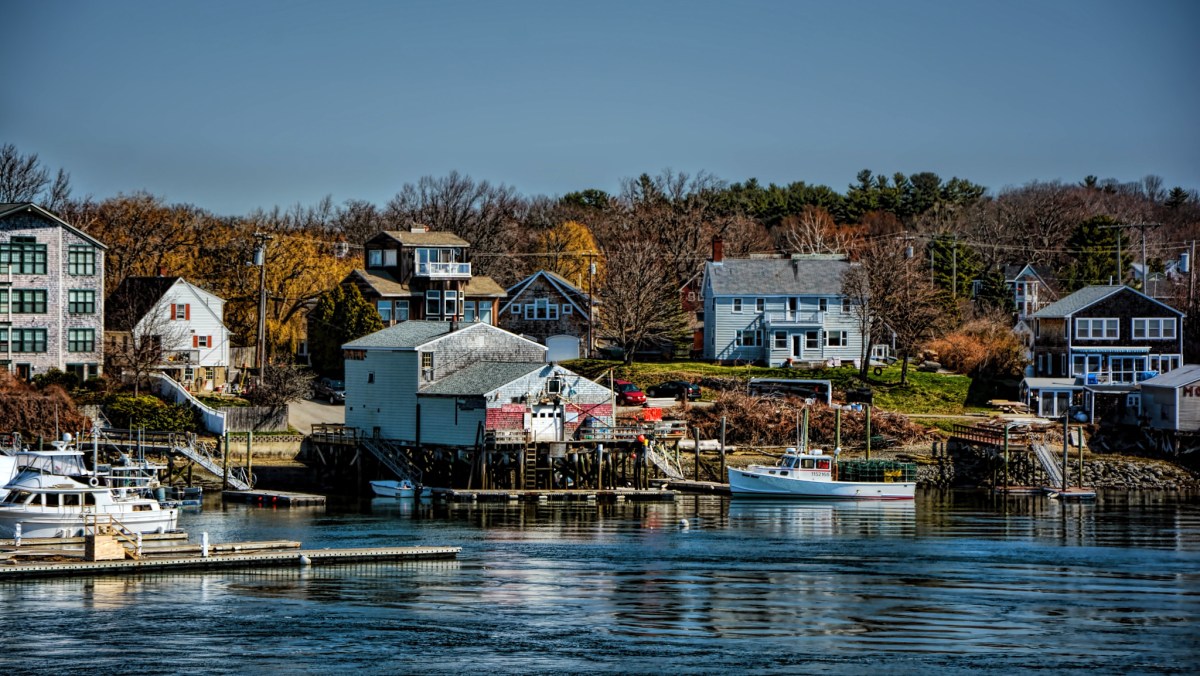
{"points": [[9, 208], [574, 295], [1184, 375], [1089, 296], [423, 238]]}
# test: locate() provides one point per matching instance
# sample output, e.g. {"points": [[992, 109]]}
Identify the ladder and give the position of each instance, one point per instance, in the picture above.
{"points": [[530, 467], [1049, 464], [394, 458], [202, 455]]}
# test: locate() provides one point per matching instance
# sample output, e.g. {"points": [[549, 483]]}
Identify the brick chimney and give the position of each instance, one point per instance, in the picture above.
{"points": [[718, 249]]}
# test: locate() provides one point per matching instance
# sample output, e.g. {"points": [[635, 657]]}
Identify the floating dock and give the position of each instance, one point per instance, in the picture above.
{"points": [[557, 495], [272, 558], [274, 498]]}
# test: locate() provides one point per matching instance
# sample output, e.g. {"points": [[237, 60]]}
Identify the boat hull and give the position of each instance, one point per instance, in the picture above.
{"points": [[39, 524], [750, 482], [396, 489]]}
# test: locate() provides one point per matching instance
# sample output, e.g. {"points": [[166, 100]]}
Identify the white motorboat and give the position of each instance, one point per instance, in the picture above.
{"points": [[48, 504], [398, 489], [812, 474]]}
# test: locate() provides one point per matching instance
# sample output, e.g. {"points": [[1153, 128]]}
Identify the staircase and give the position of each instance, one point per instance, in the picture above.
{"points": [[394, 458], [202, 454], [1049, 464], [663, 463]]}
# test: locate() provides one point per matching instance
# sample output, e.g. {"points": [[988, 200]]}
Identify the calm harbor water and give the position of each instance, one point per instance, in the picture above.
{"points": [[957, 581]]}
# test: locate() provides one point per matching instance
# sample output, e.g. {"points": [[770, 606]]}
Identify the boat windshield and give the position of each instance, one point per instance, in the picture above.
{"points": [[65, 464]]}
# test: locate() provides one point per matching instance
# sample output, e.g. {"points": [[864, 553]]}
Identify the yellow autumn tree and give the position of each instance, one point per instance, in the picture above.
{"points": [[567, 250]]}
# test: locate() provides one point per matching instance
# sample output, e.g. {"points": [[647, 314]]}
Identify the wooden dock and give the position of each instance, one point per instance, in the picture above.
{"points": [[272, 558], [701, 487], [274, 498], [557, 495]]}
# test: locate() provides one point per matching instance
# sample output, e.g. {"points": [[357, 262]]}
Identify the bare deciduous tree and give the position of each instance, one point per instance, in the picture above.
{"points": [[640, 299], [24, 179], [813, 231]]}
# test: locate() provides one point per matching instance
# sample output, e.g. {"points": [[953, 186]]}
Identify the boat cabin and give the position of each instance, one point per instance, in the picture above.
{"points": [[810, 464]]}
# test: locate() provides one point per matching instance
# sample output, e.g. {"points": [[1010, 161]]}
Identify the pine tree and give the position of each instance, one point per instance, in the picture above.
{"points": [[341, 315]]}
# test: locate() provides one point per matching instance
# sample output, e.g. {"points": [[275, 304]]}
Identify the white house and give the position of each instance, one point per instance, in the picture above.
{"points": [[441, 383], [779, 310], [183, 322]]}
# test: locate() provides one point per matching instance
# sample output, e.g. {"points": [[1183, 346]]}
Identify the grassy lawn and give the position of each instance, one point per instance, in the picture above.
{"points": [[924, 392]]}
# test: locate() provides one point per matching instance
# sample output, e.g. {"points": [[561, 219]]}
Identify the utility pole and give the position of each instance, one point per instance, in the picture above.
{"points": [[954, 277], [591, 302], [260, 259]]}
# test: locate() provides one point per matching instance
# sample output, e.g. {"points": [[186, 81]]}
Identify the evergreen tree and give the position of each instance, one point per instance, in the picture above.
{"points": [[341, 315], [1093, 247]]}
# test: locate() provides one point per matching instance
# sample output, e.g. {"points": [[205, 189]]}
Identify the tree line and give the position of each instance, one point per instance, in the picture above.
{"points": [[648, 239]]}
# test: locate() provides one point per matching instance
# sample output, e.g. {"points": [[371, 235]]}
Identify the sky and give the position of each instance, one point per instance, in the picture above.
{"points": [[233, 105]]}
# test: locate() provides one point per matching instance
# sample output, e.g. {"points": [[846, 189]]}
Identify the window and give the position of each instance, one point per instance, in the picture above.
{"points": [[202, 341], [29, 301], [23, 256], [541, 309], [181, 312], [389, 258], [1163, 363], [81, 340], [427, 365], [433, 303], [737, 306], [401, 310], [749, 338], [485, 311], [566, 309], [208, 373], [469, 311], [375, 258], [514, 309], [81, 260], [781, 340], [81, 301], [835, 339], [812, 340], [1096, 329], [82, 371], [3, 301], [370, 377], [760, 305], [1154, 329], [845, 306], [23, 340], [822, 304], [451, 304], [385, 309]]}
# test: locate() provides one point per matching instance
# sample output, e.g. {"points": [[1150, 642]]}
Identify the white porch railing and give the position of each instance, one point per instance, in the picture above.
{"points": [[797, 318], [444, 270], [214, 420]]}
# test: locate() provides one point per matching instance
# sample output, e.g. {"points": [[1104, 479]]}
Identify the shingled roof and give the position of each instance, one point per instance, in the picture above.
{"points": [[481, 377], [775, 276]]}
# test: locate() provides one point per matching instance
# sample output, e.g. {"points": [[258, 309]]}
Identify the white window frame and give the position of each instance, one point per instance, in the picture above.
{"points": [[468, 311], [822, 305], [433, 298], [843, 339], [401, 311], [566, 309], [737, 306], [760, 305], [1151, 325], [781, 340], [384, 308], [1104, 324], [749, 338], [389, 258], [375, 258], [450, 303]]}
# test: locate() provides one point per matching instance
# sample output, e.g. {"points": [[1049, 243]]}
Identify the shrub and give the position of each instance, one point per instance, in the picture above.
{"points": [[67, 381], [132, 412]]}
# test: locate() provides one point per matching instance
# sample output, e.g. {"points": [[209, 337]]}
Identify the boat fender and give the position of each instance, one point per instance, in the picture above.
{"points": [[93, 481]]}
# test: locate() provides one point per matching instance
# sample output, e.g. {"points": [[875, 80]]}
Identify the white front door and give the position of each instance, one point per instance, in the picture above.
{"points": [[545, 423]]}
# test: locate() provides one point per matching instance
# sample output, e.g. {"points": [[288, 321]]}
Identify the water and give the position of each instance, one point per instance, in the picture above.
{"points": [[955, 582]]}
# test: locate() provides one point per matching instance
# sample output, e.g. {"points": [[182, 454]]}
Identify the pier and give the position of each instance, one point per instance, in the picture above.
{"points": [[264, 498], [558, 495]]}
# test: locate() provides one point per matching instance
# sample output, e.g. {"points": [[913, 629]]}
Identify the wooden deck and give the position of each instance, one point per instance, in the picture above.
{"points": [[274, 558], [556, 495]]}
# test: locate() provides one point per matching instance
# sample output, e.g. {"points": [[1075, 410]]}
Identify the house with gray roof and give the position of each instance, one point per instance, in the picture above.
{"points": [[450, 384], [779, 311], [51, 294], [551, 310], [1101, 341]]}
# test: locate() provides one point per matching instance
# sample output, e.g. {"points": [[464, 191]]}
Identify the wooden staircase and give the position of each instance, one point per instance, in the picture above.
{"points": [[394, 458]]}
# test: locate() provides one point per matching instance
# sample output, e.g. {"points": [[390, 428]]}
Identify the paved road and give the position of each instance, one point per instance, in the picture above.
{"points": [[305, 413]]}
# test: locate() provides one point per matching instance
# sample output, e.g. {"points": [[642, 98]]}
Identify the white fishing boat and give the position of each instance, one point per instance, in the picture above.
{"points": [[54, 495], [812, 474], [388, 488]]}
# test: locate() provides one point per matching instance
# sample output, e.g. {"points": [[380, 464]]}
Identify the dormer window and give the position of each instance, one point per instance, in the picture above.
{"points": [[375, 258]]}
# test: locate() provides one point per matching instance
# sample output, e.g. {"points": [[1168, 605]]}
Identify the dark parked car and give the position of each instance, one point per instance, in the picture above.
{"points": [[628, 394], [332, 390], [673, 388]]}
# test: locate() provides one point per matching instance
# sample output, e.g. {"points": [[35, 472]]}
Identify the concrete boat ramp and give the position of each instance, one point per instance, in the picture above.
{"points": [[38, 558]]}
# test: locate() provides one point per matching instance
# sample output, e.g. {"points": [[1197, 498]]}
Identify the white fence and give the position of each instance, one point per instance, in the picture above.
{"points": [[214, 420]]}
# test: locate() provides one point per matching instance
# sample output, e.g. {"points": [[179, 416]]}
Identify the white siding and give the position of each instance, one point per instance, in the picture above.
{"points": [[721, 325], [442, 422], [206, 312], [390, 401]]}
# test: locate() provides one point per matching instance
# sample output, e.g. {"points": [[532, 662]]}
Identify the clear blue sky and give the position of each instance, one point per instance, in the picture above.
{"points": [[232, 105]]}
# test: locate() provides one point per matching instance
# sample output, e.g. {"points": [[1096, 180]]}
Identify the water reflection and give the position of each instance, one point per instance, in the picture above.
{"points": [[841, 517]]}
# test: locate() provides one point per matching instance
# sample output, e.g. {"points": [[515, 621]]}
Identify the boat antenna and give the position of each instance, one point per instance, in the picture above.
{"points": [[804, 446]]}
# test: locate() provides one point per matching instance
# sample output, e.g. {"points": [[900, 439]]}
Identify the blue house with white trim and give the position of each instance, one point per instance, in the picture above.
{"points": [[779, 311]]}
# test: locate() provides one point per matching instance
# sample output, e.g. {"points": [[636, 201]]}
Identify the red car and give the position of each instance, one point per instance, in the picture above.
{"points": [[628, 394]]}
